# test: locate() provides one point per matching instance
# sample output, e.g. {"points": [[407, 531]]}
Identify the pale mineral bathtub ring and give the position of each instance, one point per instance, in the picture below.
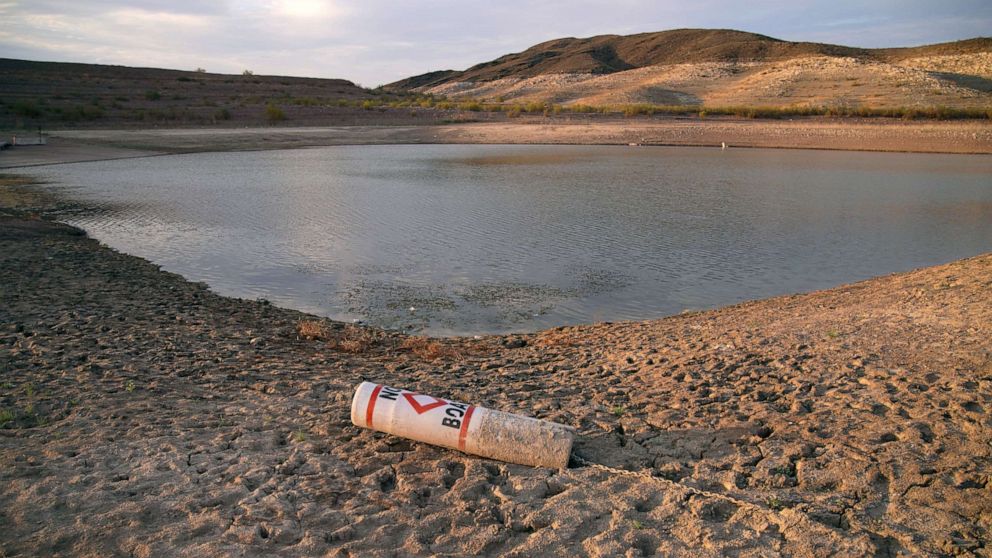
{"points": [[467, 428]]}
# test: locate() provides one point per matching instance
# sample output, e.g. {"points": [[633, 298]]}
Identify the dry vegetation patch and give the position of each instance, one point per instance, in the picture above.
{"points": [[355, 340], [429, 349], [313, 330], [343, 338]]}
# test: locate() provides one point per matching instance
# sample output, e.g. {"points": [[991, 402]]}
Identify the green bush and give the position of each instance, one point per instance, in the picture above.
{"points": [[274, 113], [26, 108], [534, 107], [152, 95]]}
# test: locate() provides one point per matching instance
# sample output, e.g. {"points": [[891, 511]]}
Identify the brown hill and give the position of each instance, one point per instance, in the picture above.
{"points": [[700, 66], [66, 94]]}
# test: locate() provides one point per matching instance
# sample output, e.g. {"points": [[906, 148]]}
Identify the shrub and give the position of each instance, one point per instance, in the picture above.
{"points": [[534, 107], [274, 113], [26, 108], [152, 95], [247, 73], [81, 112], [312, 329], [222, 114]]}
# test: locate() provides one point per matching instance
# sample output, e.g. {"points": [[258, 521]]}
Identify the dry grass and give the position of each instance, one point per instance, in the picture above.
{"points": [[428, 349], [312, 330], [355, 340], [347, 339]]}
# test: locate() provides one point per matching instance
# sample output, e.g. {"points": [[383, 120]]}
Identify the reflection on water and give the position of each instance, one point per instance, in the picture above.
{"points": [[471, 239]]}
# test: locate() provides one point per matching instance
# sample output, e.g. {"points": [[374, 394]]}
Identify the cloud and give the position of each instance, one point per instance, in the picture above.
{"points": [[377, 41], [305, 9]]}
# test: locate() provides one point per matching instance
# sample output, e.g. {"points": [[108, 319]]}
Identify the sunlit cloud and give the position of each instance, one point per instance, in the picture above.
{"points": [[305, 9]]}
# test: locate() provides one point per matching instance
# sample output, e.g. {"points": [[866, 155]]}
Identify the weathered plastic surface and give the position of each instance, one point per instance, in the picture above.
{"points": [[467, 428]]}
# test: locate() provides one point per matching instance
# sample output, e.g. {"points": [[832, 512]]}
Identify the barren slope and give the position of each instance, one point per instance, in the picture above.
{"points": [[720, 68], [62, 94]]}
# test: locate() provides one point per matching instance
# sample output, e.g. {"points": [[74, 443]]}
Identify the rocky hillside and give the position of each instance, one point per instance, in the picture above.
{"points": [[721, 68], [63, 94]]}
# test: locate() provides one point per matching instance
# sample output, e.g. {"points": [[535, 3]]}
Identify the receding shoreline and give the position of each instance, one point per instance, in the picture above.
{"points": [[149, 416], [965, 137]]}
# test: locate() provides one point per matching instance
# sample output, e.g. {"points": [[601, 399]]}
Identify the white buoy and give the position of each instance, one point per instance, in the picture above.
{"points": [[723, 145], [467, 428]]}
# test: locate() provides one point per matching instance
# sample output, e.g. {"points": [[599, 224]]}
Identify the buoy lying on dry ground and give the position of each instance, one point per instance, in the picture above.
{"points": [[467, 428]]}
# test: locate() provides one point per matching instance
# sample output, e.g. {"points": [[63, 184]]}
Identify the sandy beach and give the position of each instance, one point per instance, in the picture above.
{"points": [[144, 415]]}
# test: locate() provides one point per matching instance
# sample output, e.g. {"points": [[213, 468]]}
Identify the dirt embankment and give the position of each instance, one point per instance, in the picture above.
{"points": [[844, 134], [144, 415]]}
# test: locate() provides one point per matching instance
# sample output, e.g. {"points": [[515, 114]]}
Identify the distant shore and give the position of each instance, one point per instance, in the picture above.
{"points": [[810, 133]]}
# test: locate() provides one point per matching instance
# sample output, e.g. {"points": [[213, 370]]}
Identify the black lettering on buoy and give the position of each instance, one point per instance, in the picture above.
{"points": [[389, 393], [454, 423]]}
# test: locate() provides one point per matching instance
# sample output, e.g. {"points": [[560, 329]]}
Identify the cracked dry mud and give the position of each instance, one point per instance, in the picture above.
{"points": [[148, 416]]}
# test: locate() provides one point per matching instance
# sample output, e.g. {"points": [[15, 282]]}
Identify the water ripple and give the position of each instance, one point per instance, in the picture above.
{"points": [[511, 238]]}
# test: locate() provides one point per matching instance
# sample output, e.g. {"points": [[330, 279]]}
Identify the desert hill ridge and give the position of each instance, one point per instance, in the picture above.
{"points": [[69, 94], [707, 66]]}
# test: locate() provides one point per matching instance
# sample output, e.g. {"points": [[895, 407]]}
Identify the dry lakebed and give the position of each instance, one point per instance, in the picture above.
{"points": [[144, 415]]}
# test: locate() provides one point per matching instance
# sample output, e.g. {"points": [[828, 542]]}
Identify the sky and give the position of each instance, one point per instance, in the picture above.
{"points": [[373, 42]]}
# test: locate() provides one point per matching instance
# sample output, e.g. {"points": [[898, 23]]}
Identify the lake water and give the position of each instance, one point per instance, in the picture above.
{"points": [[465, 239]]}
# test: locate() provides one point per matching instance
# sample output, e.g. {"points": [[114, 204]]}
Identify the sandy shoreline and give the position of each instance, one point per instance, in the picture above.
{"points": [[846, 134], [147, 416]]}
